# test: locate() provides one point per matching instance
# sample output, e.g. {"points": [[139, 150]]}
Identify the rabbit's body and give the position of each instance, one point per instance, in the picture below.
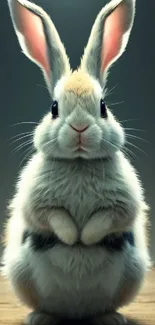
{"points": [[80, 248], [75, 281]]}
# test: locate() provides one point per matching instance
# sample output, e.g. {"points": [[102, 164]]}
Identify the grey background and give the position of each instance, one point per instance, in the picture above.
{"points": [[24, 96]]}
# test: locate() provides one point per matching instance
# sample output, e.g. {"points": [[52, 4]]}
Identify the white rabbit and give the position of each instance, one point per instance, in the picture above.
{"points": [[76, 243]]}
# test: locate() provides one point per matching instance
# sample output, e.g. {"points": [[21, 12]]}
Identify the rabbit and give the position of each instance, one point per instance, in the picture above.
{"points": [[76, 241]]}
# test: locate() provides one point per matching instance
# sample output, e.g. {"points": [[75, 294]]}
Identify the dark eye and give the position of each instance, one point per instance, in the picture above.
{"points": [[54, 109], [103, 109]]}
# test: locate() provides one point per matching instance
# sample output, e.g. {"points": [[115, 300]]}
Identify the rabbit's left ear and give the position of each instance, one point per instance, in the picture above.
{"points": [[108, 38]]}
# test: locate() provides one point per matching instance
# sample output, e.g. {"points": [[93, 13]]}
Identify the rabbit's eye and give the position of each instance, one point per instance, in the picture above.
{"points": [[54, 109], [103, 109]]}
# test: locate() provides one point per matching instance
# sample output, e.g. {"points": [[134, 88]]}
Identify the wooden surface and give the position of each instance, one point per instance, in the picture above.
{"points": [[140, 312]]}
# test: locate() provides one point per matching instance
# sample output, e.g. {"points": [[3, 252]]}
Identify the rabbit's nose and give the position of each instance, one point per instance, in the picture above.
{"points": [[79, 128]]}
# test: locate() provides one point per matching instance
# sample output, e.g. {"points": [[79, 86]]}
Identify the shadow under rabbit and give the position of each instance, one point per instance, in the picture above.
{"points": [[89, 322]]}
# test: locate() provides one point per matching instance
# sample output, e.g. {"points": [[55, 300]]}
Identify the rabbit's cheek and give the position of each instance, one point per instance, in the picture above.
{"points": [[66, 138], [92, 137]]}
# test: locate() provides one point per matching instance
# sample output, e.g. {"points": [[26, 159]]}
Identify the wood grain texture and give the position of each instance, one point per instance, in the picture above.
{"points": [[140, 312]]}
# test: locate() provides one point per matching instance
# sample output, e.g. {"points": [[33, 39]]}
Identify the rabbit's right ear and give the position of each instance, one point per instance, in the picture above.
{"points": [[39, 40]]}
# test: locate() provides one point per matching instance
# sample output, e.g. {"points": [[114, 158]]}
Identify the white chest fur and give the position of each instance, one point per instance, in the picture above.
{"points": [[81, 187]]}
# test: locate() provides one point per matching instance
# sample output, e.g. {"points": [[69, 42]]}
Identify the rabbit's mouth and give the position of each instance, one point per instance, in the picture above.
{"points": [[80, 145], [80, 149]]}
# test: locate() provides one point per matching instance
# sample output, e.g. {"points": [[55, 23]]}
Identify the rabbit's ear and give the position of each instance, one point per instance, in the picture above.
{"points": [[108, 38], [39, 40]]}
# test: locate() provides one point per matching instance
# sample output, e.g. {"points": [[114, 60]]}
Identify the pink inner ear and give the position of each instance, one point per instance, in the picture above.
{"points": [[31, 27], [114, 29]]}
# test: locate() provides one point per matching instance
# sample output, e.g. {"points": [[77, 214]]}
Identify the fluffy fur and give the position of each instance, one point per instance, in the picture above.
{"points": [[79, 193], [80, 84]]}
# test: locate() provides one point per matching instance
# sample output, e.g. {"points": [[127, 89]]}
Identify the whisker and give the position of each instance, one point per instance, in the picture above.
{"points": [[111, 145], [19, 134], [114, 104], [130, 152], [133, 145], [126, 154], [132, 129], [104, 140], [123, 150], [53, 147], [20, 147], [130, 120], [42, 86], [109, 92], [50, 142], [27, 154], [25, 136], [135, 137], [25, 123]]}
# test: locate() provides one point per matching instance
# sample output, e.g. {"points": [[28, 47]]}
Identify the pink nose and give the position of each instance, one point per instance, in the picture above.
{"points": [[79, 129]]}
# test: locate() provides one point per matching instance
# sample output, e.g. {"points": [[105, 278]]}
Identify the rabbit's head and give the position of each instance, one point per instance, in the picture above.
{"points": [[79, 123]]}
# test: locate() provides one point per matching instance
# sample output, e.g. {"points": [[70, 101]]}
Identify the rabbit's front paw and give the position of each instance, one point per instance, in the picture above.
{"points": [[69, 235], [91, 237], [39, 318], [64, 227], [96, 229], [110, 319]]}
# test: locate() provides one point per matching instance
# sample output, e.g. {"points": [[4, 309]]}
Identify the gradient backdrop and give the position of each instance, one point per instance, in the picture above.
{"points": [[25, 98]]}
